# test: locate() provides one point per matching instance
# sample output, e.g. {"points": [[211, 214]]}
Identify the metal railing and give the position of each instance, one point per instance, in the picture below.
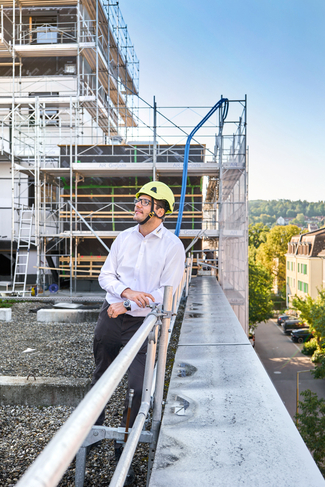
{"points": [[78, 432]]}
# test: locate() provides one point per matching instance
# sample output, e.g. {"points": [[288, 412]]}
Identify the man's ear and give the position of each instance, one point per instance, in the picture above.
{"points": [[160, 212]]}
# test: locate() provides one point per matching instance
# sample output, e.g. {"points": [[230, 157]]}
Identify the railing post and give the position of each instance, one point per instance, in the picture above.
{"points": [[179, 292], [188, 273], [128, 451], [80, 467], [161, 366]]}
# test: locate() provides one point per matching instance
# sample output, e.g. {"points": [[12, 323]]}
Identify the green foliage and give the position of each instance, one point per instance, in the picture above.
{"points": [[311, 425], [299, 220], [268, 211], [318, 358], [310, 347], [271, 254], [267, 219], [257, 234], [319, 370], [7, 303], [279, 302], [260, 303], [305, 307], [312, 311]]}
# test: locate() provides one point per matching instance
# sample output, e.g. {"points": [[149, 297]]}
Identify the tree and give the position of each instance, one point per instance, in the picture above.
{"points": [[260, 285], [291, 213], [312, 312], [310, 211], [311, 425], [271, 254], [267, 219], [257, 234], [299, 220], [283, 208]]}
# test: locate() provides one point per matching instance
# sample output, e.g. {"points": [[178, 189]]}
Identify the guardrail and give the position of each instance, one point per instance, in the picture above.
{"points": [[78, 432]]}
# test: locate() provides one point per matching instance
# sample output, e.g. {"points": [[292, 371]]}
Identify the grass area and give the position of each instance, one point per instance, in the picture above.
{"points": [[7, 303]]}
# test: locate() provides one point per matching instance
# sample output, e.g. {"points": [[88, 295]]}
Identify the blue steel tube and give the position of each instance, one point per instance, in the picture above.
{"points": [[186, 155]]}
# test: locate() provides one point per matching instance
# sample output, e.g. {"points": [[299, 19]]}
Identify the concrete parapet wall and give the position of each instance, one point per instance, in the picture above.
{"points": [[224, 423], [44, 391], [67, 315], [5, 314]]}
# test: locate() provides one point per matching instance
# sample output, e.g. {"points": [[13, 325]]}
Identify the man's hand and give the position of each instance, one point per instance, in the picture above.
{"points": [[116, 309], [140, 298]]}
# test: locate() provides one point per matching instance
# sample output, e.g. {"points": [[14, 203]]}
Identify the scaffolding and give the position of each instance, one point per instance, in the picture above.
{"points": [[80, 142]]}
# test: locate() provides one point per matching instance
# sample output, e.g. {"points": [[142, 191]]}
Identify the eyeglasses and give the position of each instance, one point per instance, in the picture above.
{"points": [[142, 201]]}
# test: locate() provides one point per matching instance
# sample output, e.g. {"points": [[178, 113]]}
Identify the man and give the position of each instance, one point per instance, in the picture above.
{"points": [[143, 259]]}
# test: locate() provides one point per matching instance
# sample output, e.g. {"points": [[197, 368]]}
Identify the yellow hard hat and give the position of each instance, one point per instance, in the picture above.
{"points": [[159, 191]]}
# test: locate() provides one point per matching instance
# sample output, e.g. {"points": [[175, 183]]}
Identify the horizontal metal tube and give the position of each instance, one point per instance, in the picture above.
{"points": [[51, 464]]}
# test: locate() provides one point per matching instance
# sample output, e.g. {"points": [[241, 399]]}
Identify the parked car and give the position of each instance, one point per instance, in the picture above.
{"points": [[290, 325], [251, 337], [283, 318], [301, 336]]}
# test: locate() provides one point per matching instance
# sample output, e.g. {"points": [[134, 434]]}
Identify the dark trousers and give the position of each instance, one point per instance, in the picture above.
{"points": [[110, 335]]}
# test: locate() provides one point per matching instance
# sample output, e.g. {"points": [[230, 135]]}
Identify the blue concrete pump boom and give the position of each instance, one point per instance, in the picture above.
{"points": [[224, 103]]}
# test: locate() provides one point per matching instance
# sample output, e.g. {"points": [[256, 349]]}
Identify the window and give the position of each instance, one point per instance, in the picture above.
{"points": [[44, 29], [45, 34], [288, 281], [305, 287], [292, 266], [288, 265], [303, 268]]}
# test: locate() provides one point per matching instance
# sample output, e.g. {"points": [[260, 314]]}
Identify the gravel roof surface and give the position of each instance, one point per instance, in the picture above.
{"points": [[61, 350]]}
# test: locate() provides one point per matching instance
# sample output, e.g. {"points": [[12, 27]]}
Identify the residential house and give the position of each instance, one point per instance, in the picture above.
{"points": [[305, 264]]}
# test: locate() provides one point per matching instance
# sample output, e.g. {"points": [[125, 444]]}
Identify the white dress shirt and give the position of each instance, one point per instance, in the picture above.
{"points": [[144, 264]]}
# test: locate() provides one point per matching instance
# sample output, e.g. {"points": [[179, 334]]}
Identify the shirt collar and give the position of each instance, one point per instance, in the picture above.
{"points": [[158, 232]]}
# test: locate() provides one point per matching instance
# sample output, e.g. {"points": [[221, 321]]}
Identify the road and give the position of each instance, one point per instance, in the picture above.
{"points": [[282, 359]]}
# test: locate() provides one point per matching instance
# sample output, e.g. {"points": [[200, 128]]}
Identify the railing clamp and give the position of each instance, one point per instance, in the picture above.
{"points": [[166, 314], [152, 337], [159, 313]]}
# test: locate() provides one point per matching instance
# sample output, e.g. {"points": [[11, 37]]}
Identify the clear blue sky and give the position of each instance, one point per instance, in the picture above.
{"points": [[190, 52]]}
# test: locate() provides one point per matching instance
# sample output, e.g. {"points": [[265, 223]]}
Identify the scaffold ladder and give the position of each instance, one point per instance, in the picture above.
{"points": [[23, 249]]}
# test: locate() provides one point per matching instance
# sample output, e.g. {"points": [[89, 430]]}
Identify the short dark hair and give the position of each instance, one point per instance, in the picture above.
{"points": [[162, 204]]}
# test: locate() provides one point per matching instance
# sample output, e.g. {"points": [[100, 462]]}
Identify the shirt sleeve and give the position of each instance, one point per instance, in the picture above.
{"points": [[108, 278], [173, 271]]}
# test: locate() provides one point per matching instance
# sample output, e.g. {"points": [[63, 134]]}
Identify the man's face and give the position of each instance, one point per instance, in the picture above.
{"points": [[142, 208]]}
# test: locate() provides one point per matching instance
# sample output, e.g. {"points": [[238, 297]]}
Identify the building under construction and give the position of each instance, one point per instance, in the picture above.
{"points": [[77, 143]]}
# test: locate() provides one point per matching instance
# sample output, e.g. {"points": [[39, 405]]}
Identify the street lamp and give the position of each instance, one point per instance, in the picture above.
{"points": [[297, 402]]}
